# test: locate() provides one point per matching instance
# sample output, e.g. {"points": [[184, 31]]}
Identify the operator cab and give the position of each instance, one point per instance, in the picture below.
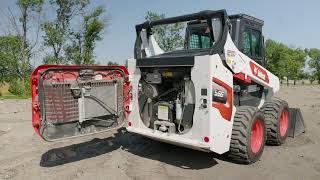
{"points": [[245, 31]]}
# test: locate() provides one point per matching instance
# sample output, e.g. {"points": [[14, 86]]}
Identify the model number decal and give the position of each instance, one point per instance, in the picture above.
{"points": [[218, 93]]}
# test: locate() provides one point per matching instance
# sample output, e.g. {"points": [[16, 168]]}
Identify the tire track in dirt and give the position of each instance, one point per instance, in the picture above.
{"points": [[148, 159], [141, 165], [16, 165]]}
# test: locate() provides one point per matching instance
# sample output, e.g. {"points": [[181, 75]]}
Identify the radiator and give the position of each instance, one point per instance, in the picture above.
{"points": [[62, 107]]}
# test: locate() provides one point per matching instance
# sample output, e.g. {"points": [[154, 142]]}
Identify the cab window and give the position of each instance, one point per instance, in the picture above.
{"points": [[256, 43], [246, 49], [251, 42], [199, 38]]}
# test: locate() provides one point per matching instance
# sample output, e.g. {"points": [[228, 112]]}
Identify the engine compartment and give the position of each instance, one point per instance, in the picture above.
{"points": [[167, 99]]}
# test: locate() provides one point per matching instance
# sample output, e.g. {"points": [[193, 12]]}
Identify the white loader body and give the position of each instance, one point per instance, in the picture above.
{"points": [[212, 126]]}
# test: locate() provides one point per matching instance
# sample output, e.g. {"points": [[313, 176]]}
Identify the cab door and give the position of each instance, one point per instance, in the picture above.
{"points": [[72, 101]]}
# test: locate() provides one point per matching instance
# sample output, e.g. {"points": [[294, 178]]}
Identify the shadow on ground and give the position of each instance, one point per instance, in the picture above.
{"points": [[132, 143]]}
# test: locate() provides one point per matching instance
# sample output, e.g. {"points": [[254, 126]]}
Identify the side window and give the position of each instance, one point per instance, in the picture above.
{"points": [[251, 42], [246, 42], [256, 43], [199, 38]]}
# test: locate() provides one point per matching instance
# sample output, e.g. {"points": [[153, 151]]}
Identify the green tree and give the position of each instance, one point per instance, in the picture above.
{"points": [[314, 63], [83, 41], [12, 70], [27, 9], [274, 58], [71, 41], [17, 48], [169, 37], [9, 56], [285, 61], [295, 63], [57, 31]]}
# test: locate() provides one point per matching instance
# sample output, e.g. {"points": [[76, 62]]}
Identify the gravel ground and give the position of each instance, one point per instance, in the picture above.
{"points": [[121, 155]]}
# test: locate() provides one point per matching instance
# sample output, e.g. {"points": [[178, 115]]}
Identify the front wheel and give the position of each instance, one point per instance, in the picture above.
{"points": [[248, 135], [276, 112]]}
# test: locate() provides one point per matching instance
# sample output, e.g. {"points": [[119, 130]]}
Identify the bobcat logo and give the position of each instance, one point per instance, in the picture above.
{"points": [[259, 72]]}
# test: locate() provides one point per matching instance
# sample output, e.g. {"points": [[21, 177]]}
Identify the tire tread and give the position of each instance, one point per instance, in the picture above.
{"points": [[239, 139], [271, 110]]}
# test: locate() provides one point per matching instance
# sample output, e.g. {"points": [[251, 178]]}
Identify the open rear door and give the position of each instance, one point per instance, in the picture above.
{"points": [[69, 101]]}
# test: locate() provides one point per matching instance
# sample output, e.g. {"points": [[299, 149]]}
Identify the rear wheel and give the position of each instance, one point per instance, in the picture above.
{"points": [[248, 135], [276, 112]]}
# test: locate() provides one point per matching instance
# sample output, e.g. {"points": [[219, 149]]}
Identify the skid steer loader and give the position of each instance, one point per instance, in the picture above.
{"points": [[213, 94]]}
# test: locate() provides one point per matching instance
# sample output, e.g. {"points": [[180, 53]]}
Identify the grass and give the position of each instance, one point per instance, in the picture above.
{"points": [[5, 94]]}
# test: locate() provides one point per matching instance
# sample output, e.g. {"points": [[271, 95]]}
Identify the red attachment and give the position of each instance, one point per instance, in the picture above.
{"points": [[129, 123], [242, 77], [225, 109], [35, 77], [256, 135], [284, 122], [206, 139]]}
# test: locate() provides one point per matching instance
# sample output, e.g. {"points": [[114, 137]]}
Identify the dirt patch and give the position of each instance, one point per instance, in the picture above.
{"points": [[122, 155], [2, 132]]}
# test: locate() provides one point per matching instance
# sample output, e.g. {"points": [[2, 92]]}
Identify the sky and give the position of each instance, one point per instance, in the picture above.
{"points": [[292, 22]]}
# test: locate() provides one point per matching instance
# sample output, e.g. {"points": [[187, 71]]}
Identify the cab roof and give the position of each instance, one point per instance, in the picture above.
{"points": [[248, 17]]}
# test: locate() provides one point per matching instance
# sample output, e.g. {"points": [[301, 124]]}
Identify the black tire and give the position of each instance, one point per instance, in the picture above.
{"points": [[240, 146], [272, 111]]}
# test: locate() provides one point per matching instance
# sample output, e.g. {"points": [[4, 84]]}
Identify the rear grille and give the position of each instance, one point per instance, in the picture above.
{"points": [[61, 107]]}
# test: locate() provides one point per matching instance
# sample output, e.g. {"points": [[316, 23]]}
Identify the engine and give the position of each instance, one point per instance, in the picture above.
{"points": [[167, 99]]}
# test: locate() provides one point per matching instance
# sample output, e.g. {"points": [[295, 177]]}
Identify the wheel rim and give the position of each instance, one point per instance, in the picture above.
{"points": [[284, 119], [256, 136]]}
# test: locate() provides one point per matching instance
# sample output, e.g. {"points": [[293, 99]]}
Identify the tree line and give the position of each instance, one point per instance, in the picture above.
{"points": [[66, 32], [292, 63]]}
